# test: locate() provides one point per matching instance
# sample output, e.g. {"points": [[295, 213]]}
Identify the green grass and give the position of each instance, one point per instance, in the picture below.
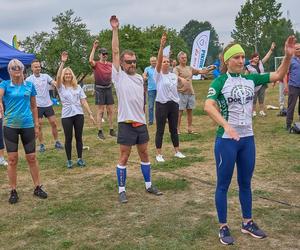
{"points": [[175, 163], [169, 184], [83, 212]]}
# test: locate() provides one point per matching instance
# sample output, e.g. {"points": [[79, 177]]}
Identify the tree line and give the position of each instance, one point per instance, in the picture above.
{"points": [[257, 24]]}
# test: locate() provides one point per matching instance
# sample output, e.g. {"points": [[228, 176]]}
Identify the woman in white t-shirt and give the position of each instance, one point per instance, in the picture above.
{"points": [[72, 99], [167, 100]]}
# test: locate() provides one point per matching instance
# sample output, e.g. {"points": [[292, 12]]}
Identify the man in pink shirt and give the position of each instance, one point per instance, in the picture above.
{"points": [[103, 88]]}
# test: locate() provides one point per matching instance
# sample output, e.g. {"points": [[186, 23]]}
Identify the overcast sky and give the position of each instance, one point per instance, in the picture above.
{"points": [[24, 17]]}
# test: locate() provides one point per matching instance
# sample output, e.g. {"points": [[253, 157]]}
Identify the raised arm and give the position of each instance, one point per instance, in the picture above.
{"points": [[203, 71], [289, 48], [92, 55], [160, 52], [267, 56], [64, 58], [114, 22]]}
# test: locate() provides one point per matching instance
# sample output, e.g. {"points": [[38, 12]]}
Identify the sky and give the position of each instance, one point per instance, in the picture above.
{"points": [[25, 17]]}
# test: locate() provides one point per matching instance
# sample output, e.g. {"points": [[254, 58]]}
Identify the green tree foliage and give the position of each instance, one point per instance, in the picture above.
{"points": [[258, 24], [192, 29], [144, 42], [298, 36], [69, 34]]}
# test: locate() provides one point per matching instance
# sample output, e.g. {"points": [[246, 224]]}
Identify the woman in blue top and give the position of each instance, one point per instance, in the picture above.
{"points": [[20, 118], [229, 103]]}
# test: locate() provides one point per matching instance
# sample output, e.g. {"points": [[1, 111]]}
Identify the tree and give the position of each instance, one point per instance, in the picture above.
{"points": [[298, 36], [258, 24], [192, 29], [69, 34], [144, 42]]}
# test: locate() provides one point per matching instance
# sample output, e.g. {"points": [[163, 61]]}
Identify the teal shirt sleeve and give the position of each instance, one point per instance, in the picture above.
{"points": [[259, 79], [3, 85]]}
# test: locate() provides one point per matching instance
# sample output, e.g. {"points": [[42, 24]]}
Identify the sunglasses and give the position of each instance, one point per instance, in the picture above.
{"points": [[104, 54], [15, 68], [130, 61]]}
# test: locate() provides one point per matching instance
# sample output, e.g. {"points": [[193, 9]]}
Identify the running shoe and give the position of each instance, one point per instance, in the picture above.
{"points": [[252, 228], [154, 190], [159, 158], [101, 135], [3, 162], [42, 148], [112, 133], [58, 145], [69, 164], [262, 113], [13, 198], [122, 197], [80, 163], [179, 155], [225, 237], [39, 192], [254, 114]]}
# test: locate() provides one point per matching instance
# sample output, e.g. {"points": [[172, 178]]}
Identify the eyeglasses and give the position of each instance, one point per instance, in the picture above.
{"points": [[130, 61], [15, 68]]}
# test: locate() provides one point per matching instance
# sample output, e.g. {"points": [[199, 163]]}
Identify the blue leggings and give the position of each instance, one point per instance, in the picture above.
{"points": [[227, 153]]}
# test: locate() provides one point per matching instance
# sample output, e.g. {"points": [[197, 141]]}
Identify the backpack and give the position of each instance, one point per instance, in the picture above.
{"points": [[295, 129]]}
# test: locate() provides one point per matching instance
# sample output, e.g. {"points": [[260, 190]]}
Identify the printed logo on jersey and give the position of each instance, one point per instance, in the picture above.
{"points": [[241, 94], [211, 92]]}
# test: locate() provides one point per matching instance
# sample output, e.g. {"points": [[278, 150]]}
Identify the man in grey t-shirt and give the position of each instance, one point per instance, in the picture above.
{"points": [[42, 84], [132, 129]]}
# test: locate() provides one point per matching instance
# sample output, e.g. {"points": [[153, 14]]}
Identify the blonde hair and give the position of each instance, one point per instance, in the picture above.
{"points": [[74, 83], [223, 65], [15, 62], [180, 54]]}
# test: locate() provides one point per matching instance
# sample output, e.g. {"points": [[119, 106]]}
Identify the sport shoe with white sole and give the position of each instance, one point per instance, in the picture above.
{"points": [[262, 113], [159, 158], [252, 228], [225, 237], [122, 197], [153, 190], [3, 162], [179, 155]]}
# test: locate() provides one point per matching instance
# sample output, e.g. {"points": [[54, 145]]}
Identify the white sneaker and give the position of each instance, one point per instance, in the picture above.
{"points": [[3, 162], [254, 114], [160, 158], [262, 113], [103, 120], [179, 155]]}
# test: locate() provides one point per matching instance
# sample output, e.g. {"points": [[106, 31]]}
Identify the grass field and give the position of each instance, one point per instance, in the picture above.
{"points": [[83, 212]]}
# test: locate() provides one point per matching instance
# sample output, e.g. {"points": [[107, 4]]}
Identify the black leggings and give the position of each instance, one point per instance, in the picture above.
{"points": [[164, 111], [68, 123]]}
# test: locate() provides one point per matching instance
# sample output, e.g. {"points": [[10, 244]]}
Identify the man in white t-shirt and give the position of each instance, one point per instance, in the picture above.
{"points": [[43, 83], [132, 129]]}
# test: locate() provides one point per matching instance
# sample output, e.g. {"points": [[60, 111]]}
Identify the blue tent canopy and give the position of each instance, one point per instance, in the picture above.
{"points": [[7, 53]]}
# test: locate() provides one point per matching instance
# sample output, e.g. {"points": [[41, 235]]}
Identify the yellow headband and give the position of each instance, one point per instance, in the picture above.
{"points": [[235, 49]]}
